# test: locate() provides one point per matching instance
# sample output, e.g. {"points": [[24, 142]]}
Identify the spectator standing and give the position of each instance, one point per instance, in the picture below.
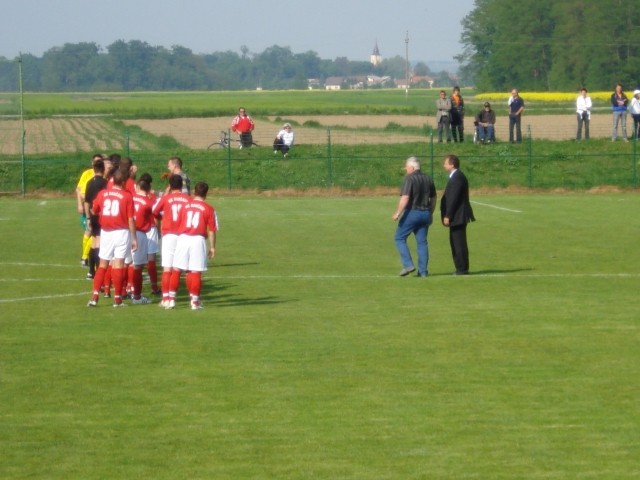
{"points": [[619, 102], [457, 115], [415, 214], [284, 140], [583, 112], [485, 122], [456, 212], [198, 223], [443, 120], [114, 206], [634, 108], [167, 209], [243, 125], [516, 106]]}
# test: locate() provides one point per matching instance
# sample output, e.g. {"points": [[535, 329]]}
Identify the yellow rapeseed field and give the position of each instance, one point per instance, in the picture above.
{"points": [[543, 96]]}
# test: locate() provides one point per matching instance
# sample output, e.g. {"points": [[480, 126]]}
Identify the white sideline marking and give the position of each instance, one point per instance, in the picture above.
{"points": [[497, 207], [43, 297]]}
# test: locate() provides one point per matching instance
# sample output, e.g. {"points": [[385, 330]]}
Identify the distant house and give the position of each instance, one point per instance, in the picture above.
{"points": [[415, 81], [313, 83], [375, 80], [333, 83], [422, 81]]}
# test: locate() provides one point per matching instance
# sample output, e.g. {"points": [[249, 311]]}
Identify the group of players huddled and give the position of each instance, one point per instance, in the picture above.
{"points": [[121, 217]]}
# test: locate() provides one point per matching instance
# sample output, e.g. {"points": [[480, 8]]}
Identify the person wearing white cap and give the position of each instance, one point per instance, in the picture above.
{"points": [[583, 110], [284, 140], [634, 108]]}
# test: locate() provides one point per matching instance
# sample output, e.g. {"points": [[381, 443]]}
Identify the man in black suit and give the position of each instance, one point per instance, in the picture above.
{"points": [[456, 212]]}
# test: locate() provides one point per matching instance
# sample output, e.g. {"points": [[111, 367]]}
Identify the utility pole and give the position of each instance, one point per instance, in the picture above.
{"points": [[406, 85], [22, 130]]}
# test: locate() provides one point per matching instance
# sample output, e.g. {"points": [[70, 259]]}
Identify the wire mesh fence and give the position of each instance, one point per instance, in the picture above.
{"points": [[364, 153]]}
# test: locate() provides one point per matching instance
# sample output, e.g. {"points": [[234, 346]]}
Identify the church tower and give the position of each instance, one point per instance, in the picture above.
{"points": [[376, 58]]}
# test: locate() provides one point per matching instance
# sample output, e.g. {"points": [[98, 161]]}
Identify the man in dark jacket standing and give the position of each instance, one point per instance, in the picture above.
{"points": [[456, 212]]}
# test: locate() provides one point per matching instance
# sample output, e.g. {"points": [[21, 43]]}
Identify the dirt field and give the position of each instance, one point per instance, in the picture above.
{"points": [[196, 132], [59, 135]]}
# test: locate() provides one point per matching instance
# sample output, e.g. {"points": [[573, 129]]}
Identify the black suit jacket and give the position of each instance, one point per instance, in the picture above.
{"points": [[455, 202]]}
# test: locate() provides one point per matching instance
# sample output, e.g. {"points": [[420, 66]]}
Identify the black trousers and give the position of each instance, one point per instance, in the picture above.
{"points": [[459, 248]]}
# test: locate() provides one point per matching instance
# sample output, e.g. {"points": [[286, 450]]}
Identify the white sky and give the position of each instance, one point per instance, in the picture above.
{"points": [[332, 28]]}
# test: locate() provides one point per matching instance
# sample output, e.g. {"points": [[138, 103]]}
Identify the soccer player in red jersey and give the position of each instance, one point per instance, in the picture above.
{"points": [[118, 235], [168, 211], [142, 206], [198, 222]]}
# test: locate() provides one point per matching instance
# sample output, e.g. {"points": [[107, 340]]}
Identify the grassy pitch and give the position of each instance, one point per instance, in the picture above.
{"points": [[313, 359]]}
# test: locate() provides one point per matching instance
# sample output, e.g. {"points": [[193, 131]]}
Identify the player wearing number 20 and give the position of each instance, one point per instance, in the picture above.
{"points": [[198, 223], [118, 235]]}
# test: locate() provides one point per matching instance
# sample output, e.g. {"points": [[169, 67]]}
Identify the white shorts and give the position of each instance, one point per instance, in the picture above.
{"points": [[153, 245], [169, 242], [114, 244], [140, 256], [191, 253]]}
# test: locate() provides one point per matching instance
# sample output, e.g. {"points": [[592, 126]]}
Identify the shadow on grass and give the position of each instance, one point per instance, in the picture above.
{"points": [[486, 272], [212, 295]]}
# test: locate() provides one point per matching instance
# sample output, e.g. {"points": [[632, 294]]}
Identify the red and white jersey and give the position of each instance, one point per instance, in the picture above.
{"points": [[168, 210], [196, 217], [114, 207], [142, 206]]}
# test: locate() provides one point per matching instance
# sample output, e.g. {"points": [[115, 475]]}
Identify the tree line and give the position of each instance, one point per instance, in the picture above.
{"points": [[137, 66], [550, 45]]}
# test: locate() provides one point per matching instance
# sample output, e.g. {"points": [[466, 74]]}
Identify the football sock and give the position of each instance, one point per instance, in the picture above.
{"points": [[98, 280], [152, 270]]}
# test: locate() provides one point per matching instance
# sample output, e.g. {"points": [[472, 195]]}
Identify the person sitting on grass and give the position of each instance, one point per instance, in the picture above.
{"points": [[284, 140]]}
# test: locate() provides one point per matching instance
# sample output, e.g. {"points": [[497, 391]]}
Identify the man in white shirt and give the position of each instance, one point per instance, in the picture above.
{"points": [[583, 111]]}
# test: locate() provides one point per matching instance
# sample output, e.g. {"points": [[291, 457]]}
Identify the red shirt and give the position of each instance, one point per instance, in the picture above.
{"points": [[242, 124], [142, 206], [168, 210], [114, 207], [196, 217], [129, 186]]}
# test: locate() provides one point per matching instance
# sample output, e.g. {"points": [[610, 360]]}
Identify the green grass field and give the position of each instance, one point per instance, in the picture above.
{"points": [[313, 359]]}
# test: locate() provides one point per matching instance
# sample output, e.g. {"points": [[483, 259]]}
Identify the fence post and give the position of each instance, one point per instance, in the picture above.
{"points": [[530, 157], [431, 153], [634, 159], [329, 162], [229, 160]]}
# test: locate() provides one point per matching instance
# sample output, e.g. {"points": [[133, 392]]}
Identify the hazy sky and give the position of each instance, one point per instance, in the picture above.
{"points": [[332, 28]]}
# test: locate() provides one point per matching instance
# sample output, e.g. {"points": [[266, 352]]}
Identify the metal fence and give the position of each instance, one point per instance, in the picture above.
{"points": [[345, 158]]}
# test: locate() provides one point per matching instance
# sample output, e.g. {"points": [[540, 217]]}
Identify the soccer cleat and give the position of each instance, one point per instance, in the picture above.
{"points": [[118, 305], [89, 276], [170, 304], [156, 292], [196, 305], [92, 303], [163, 303], [84, 262], [141, 301]]}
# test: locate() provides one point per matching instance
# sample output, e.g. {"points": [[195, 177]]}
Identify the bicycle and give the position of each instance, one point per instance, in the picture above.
{"points": [[225, 141]]}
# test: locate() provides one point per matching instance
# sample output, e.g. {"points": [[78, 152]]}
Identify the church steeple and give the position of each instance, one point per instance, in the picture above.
{"points": [[376, 58]]}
